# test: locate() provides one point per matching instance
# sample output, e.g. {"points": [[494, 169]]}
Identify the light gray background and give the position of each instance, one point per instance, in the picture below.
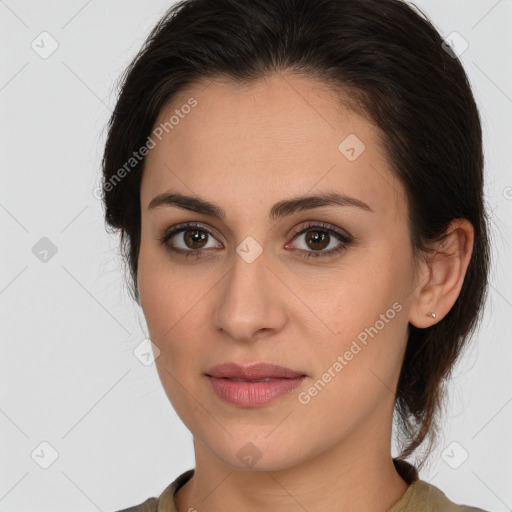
{"points": [[68, 373]]}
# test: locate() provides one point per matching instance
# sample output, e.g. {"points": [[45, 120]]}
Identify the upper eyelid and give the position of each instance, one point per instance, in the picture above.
{"points": [[178, 228]]}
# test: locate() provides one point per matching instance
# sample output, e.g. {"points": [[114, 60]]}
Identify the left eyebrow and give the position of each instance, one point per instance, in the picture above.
{"points": [[281, 209]]}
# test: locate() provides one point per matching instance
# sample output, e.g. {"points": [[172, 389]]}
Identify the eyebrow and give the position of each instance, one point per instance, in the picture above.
{"points": [[279, 210]]}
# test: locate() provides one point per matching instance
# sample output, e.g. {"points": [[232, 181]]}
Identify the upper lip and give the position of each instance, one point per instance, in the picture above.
{"points": [[252, 372]]}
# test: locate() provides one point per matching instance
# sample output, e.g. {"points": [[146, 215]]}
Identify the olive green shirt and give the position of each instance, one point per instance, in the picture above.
{"points": [[419, 497]]}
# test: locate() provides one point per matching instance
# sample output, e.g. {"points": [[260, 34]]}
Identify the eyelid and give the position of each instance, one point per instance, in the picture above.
{"points": [[183, 226], [296, 231], [324, 225], [343, 236]]}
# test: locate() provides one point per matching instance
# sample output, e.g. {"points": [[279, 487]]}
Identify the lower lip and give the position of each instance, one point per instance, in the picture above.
{"points": [[253, 394]]}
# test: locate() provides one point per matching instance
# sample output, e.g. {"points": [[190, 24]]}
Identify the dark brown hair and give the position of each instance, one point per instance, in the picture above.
{"points": [[391, 61]]}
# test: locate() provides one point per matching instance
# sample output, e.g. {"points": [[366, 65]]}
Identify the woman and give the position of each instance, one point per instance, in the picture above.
{"points": [[298, 187]]}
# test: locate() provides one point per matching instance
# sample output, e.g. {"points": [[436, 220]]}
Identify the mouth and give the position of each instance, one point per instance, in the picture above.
{"points": [[253, 386], [259, 372], [250, 380]]}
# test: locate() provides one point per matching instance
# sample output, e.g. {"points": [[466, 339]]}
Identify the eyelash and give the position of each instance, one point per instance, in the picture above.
{"points": [[345, 240]]}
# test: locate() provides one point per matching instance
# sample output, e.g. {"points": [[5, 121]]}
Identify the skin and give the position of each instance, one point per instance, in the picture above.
{"points": [[246, 148]]}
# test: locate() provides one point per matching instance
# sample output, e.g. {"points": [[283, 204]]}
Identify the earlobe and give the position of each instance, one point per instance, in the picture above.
{"points": [[445, 271]]}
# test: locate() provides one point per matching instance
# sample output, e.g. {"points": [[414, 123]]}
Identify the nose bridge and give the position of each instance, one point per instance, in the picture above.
{"points": [[249, 300]]}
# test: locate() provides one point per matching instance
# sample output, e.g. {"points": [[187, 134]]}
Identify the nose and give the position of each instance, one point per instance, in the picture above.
{"points": [[252, 300]]}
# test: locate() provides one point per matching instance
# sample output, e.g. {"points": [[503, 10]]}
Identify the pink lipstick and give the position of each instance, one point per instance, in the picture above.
{"points": [[255, 385]]}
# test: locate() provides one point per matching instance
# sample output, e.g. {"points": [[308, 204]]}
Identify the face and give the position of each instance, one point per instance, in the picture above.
{"points": [[322, 288]]}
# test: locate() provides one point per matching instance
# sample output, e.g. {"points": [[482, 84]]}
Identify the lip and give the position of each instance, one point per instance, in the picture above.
{"points": [[252, 393], [253, 372]]}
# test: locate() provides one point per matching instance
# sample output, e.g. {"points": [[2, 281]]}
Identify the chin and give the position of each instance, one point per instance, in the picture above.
{"points": [[256, 453]]}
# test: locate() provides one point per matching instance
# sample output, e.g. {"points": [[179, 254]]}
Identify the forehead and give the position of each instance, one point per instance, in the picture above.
{"points": [[280, 136]]}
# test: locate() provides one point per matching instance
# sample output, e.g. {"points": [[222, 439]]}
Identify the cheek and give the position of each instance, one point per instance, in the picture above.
{"points": [[173, 301], [159, 290], [365, 312], [356, 370], [350, 300], [171, 311]]}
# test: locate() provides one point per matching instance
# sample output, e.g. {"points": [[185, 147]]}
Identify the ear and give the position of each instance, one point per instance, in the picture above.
{"points": [[441, 275]]}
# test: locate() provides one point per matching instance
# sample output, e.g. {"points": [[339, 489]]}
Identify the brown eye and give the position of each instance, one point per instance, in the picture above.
{"points": [[194, 238], [318, 238], [189, 240]]}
